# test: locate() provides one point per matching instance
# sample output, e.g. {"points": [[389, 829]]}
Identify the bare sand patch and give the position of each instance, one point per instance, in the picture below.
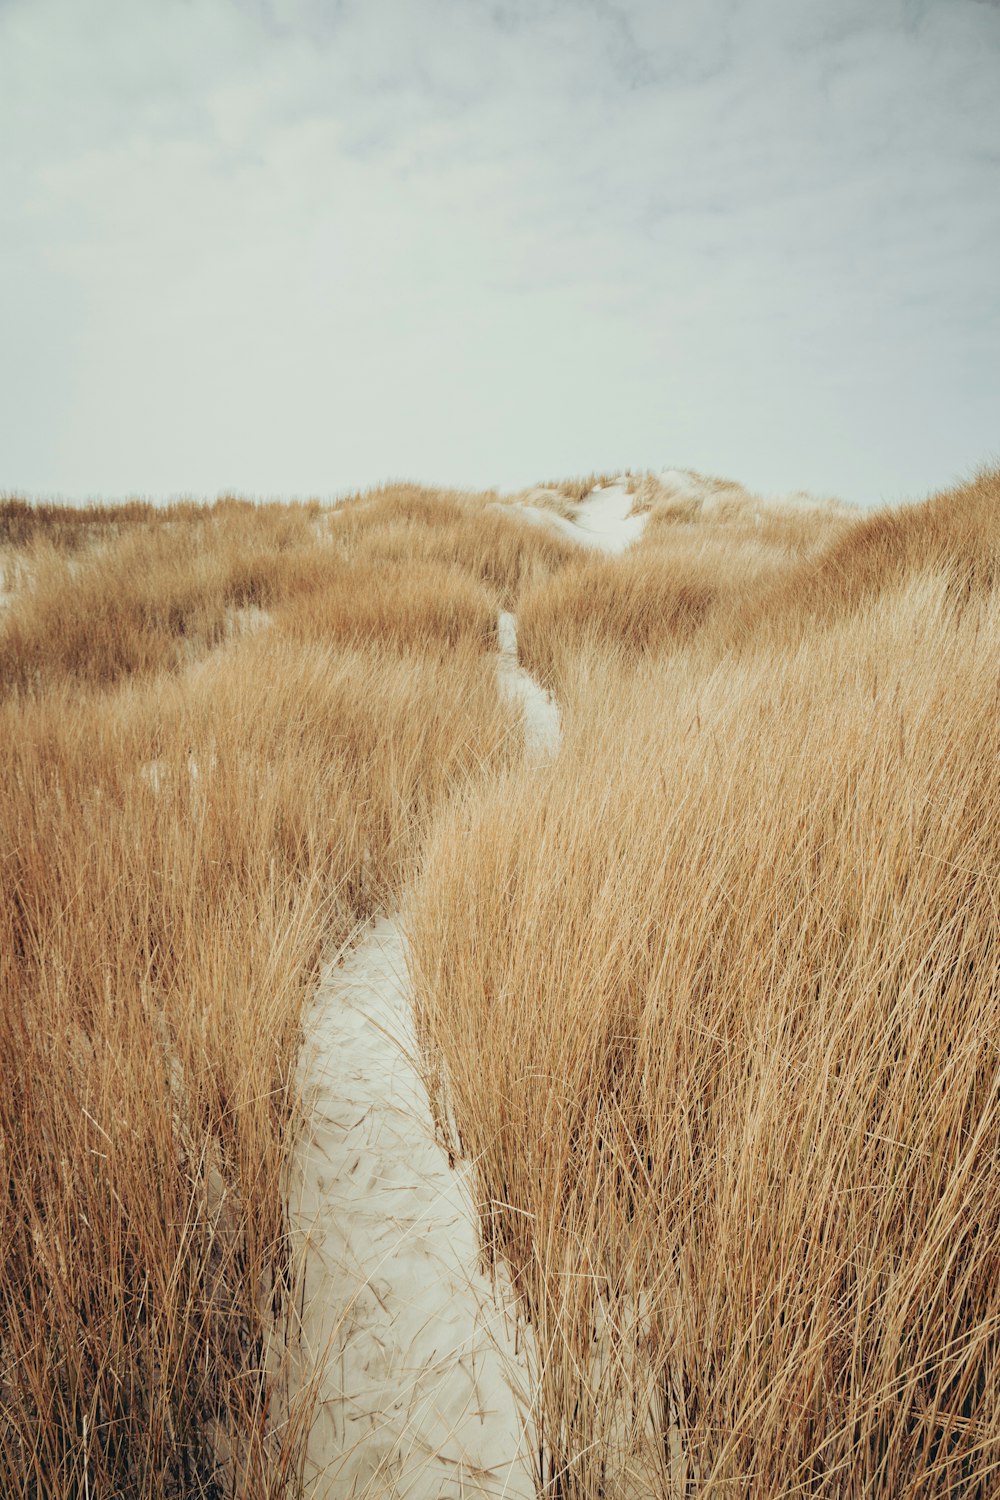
{"points": [[415, 1399]]}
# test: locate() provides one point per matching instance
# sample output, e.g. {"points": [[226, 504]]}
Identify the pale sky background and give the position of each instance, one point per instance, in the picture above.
{"points": [[295, 246]]}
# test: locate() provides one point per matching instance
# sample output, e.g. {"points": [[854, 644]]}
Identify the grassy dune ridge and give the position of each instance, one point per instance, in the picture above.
{"points": [[716, 560], [147, 599]]}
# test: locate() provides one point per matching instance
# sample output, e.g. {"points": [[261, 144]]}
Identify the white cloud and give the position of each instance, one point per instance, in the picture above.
{"points": [[289, 247]]}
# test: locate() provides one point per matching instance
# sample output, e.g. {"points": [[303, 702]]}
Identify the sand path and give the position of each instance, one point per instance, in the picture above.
{"points": [[541, 713], [416, 1399]]}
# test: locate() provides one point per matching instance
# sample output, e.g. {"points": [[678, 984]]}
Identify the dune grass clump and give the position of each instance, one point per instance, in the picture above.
{"points": [[413, 568], [145, 600], [955, 533], [712, 1005], [71, 527], [413, 604], [642, 602], [701, 569], [407, 524], [684, 505], [577, 490]]}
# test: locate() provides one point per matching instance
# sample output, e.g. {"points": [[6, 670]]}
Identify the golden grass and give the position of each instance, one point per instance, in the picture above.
{"points": [[713, 565], [416, 604], [180, 845], [406, 524], [711, 1001], [403, 565], [797, 527], [543, 497], [71, 527], [713, 1005], [143, 601], [955, 532], [644, 601], [575, 490]]}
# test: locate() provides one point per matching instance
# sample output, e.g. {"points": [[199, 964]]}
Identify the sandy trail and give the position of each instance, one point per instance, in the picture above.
{"points": [[541, 713], [415, 1399]]}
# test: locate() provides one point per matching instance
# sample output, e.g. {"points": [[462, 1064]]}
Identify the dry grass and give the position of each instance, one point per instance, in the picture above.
{"points": [[644, 601], [724, 557], [576, 490], [144, 601], [416, 605], [685, 494], [711, 1001], [74, 528], [403, 565], [184, 830], [405, 524], [71, 527], [551, 500], [684, 503], [956, 532], [713, 1005]]}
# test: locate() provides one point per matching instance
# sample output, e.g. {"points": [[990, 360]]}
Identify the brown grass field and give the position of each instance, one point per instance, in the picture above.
{"points": [[711, 1001], [190, 814]]}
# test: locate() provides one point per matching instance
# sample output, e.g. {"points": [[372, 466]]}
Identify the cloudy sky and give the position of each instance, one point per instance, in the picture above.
{"points": [[293, 246]]}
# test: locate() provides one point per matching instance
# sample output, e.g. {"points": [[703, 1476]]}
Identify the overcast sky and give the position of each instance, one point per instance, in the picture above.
{"points": [[294, 246]]}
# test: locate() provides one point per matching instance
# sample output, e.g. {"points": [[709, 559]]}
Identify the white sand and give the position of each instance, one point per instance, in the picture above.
{"points": [[416, 1394], [415, 1397], [601, 521]]}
